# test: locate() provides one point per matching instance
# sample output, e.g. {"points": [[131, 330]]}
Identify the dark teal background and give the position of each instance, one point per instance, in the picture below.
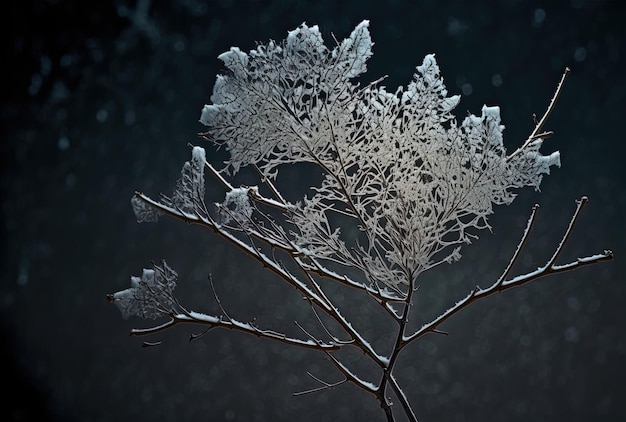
{"points": [[100, 99]]}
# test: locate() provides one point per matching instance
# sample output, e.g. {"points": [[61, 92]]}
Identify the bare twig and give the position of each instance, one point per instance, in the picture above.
{"points": [[520, 246], [233, 324], [549, 269], [217, 299], [325, 385], [539, 126]]}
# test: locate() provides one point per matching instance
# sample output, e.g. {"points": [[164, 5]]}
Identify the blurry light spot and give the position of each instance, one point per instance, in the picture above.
{"points": [[455, 26], [496, 80], [63, 143], [179, 45], [59, 92], [102, 115], [22, 277], [525, 341], [129, 117], [580, 54], [571, 335], [46, 65], [467, 88], [573, 303], [70, 180], [35, 84], [539, 17], [229, 415], [67, 60]]}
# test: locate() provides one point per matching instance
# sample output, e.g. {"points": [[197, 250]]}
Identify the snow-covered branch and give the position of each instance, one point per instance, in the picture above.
{"points": [[404, 187], [502, 284], [212, 322]]}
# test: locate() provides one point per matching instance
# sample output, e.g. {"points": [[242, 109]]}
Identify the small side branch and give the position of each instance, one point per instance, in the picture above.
{"points": [[501, 285], [270, 185], [247, 247], [324, 385], [579, 206], [404, 401], [347, 373], [213, 322], [536, 132], [520, 246], [225, 184], [172, 212]]}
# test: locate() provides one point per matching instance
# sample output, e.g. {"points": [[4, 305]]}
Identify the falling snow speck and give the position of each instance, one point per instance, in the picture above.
{"points": [[571, 334], [496, 80], [539, 16], [102, 115], [63, 143], [70, 180], [573, 303]]}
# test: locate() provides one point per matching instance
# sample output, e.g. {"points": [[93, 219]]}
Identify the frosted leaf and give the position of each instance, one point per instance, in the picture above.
{"points": [[271, 112], [149, 296], [414, 183], [236, 206], [189, 190], [305, 40], [355, 50], [188, 196], [144, 212], [235, 60]]}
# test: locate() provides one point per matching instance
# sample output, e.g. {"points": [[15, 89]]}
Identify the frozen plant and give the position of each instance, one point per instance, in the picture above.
{"points": [[403, 187]]}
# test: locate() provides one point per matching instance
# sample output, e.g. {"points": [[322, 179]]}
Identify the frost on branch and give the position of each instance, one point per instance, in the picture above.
{"points": [[415, 182], [188, 196], [236, 206], [273, 105], [403, 186], [189, 190], [149, 296]]}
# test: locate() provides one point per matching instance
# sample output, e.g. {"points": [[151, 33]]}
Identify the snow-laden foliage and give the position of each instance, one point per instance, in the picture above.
{"points": [[412, 179], [188, 195], [236, 206], [403, 186], [149, 296]]}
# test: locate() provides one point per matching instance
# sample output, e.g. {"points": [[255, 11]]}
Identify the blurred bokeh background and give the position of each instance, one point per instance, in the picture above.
{"points": [[100, 99]]}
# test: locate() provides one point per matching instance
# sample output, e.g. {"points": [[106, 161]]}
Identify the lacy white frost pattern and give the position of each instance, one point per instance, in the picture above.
{"points": [[394, 185], [397, 164], [188, 196], [149, 296]]}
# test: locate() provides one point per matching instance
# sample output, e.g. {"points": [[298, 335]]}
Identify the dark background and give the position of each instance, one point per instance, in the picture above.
{"points": [[100, 99]]}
